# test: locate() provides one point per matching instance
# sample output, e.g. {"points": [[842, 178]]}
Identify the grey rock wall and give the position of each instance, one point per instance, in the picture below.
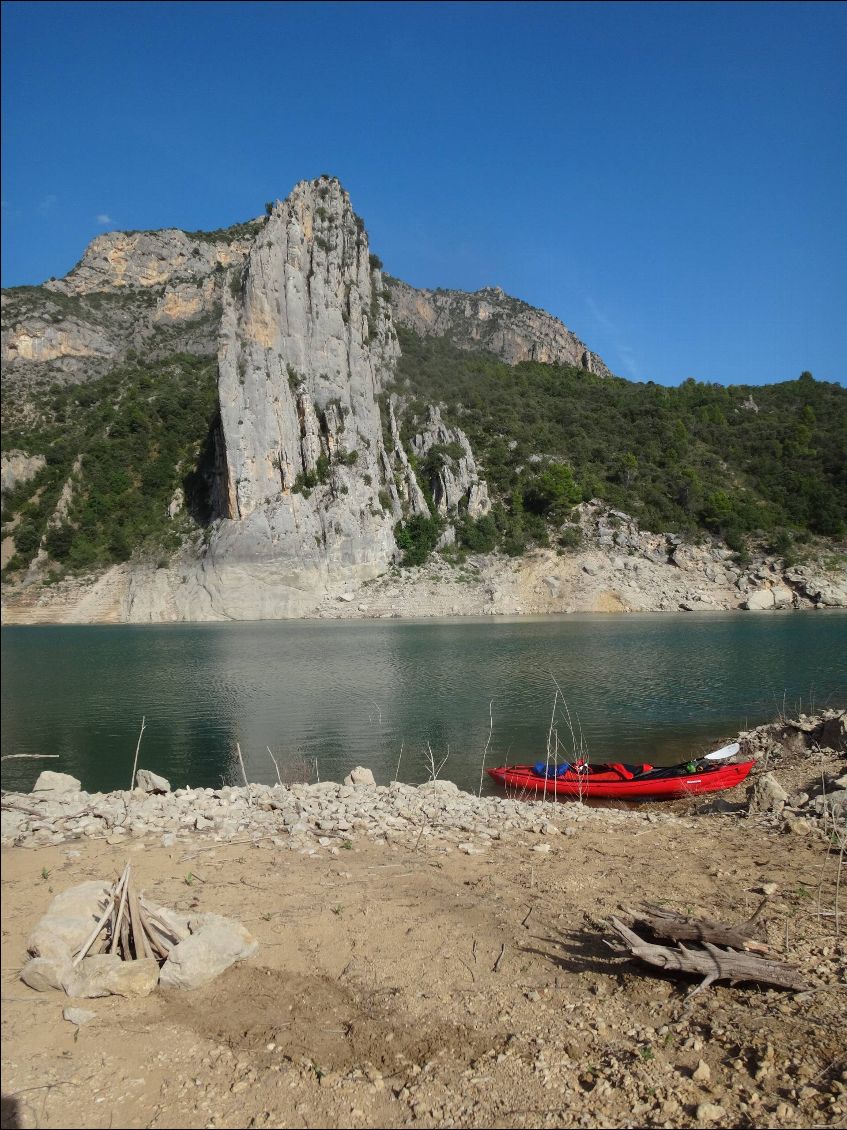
{"points": [[492, 320], [306, 345], [457, 484]]}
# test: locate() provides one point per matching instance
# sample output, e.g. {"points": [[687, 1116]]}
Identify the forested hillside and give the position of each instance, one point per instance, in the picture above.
{"points": [[126, 442], [765, 461]]}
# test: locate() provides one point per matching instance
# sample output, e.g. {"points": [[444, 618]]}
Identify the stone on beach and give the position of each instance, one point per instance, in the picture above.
{"points": [[78, 1016], [50, 782], [45, 973], [767, 795], [107, 974], [360, 776], [151, 782], [68, 922], [215, 944]]}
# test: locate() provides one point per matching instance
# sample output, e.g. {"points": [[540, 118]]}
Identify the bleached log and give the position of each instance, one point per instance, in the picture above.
{"points": [[666, 923], [711, 963]]}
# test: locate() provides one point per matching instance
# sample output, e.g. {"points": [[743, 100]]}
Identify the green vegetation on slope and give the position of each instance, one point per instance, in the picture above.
{"points": [[137, 432], [701, 457]]}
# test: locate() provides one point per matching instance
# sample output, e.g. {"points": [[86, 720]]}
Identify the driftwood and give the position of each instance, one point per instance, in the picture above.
{"points": [[664, 923], [711, 963], [30, 757], [132, 930]]}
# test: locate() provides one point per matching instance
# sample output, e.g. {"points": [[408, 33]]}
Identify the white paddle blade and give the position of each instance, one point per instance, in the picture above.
{"points": [[726, 751]]}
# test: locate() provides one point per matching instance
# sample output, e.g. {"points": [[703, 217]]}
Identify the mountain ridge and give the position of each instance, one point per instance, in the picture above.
{"points": [[232, 415]]}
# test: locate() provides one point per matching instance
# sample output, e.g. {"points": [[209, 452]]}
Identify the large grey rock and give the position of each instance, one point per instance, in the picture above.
{"points": [[760, 600], [457, 482], [833, 733], [360, 776], [151, 782], [215, 944], [106, 974], [45, 973], [766, 794], [69, 920], [49, 782], [306, 345], [438, 786]]}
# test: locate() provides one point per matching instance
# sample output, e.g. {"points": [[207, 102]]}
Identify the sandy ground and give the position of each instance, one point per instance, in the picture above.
{"points": [[377, 999]]}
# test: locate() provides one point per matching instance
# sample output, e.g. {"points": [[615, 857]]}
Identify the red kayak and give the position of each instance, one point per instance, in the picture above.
{"points": [[624, 782]]}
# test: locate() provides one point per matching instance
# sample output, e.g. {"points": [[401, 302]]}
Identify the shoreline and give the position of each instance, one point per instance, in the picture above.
{"points": [[636, 577], [354, 617], [405, 978]]}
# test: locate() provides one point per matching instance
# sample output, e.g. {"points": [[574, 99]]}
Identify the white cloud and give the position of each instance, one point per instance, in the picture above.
{"points": [[47, 203], [104, 218]]}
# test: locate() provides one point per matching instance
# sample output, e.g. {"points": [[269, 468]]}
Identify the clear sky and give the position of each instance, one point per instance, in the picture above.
{"points": [[670, 180]]}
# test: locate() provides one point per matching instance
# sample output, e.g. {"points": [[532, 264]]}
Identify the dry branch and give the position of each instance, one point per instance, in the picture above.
{"points": [[134, 930], [30, 756], [89, 941], [710, 962], [664, 923], [117, 922], [276, 763], [137, 748]]}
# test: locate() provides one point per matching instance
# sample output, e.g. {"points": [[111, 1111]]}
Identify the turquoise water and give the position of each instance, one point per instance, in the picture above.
{"points": [[655, 688]]}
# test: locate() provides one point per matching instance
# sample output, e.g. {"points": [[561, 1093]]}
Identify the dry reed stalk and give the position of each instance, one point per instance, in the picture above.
{"points": [[429, 762], [137, 749], [487, 744], [276, 764]]}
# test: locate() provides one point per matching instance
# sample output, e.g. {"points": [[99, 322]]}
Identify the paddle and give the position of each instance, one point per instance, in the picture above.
{"points": [[725, 751]]}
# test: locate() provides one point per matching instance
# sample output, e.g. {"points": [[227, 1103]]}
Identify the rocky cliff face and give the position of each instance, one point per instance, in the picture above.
{"points": [[154, 258], [492, 320], [306, 345], [16, 467], [153, 292]]}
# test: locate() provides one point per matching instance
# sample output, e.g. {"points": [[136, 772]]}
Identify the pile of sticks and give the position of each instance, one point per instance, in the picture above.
{"points": [[713, 951], [129, 927]]}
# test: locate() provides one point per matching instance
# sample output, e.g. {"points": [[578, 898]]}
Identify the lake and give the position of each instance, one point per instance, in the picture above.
{"points": [[336, 694]]}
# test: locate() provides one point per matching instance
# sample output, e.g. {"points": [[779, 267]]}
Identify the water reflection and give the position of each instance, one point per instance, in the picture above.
{"points": [[655, 688]]}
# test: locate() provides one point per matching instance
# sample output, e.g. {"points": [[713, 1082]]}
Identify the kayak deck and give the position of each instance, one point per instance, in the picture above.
{"points": [[611, 782]]}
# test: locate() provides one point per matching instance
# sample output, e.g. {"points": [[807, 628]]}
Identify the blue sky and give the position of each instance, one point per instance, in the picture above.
{"points": [[670, 180]]}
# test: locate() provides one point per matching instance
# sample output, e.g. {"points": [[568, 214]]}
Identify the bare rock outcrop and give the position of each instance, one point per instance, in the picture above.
{"points": [[306, 345], [455, 479], [17, 467], [491, 319], [153, 258]]}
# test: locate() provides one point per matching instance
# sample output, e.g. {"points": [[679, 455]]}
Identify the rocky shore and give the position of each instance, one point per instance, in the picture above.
{"points": [[424, 955], [797, 780], [297, 817], [617, 567]]}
